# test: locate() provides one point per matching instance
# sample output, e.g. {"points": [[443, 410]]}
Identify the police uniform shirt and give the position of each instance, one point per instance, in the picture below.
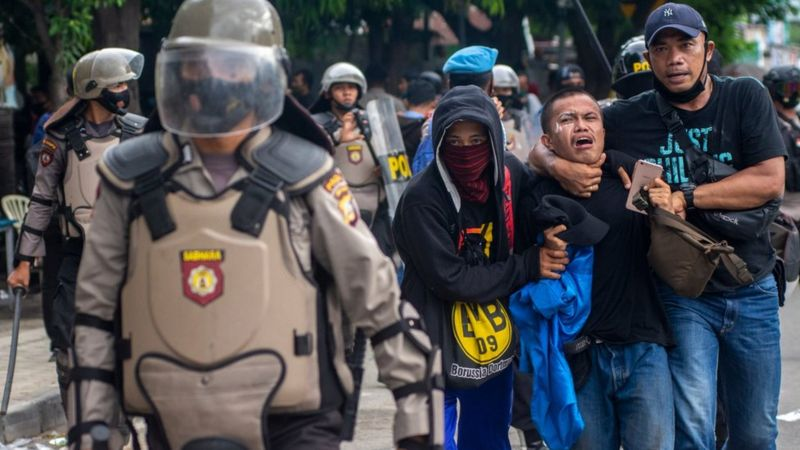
{"points": [[49, 179], [737, 126]]}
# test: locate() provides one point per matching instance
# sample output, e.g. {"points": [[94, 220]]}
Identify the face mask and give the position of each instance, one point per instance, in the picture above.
{"points": [[110, 99], [788, 94], [509, 101], [223, 104], [467, 167], [687, 95]]}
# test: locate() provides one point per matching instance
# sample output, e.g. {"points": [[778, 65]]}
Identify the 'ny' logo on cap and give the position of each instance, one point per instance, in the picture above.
{"points": [[668, 12]]}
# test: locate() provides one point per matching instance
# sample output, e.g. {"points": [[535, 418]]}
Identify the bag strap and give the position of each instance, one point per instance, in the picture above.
{"points": [[691, 155], [72, 132], [508, 208], [151, 199], [730, 260], [737, 268], [665, 218], [250, 212]]}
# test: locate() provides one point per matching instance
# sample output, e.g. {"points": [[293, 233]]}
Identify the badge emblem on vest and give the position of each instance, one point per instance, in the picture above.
{"points": [[354, 153], [202, 275]]}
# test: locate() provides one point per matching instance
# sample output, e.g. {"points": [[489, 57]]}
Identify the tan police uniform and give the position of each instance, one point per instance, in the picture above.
{"points": [[230, 303], [66, 185]]}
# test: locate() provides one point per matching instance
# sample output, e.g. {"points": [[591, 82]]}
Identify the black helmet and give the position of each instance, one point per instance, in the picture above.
{"points": [[433, 78], [567, 74], [783, 83], [631, 74]]}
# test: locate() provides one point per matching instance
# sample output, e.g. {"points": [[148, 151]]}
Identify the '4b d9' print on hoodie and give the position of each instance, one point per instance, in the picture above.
{"points": [[482, 330]]}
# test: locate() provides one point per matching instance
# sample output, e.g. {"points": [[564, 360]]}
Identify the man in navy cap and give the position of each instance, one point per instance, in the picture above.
{"points": [[469, 66], [730, 327]]}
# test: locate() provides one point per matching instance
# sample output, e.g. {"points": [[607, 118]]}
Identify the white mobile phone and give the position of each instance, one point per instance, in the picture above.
{"points": [[644, 173]]}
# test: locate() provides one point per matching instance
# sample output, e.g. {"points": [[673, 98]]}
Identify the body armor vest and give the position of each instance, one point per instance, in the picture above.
{"points": [[206, 315], [359, 167], [80, 186]]}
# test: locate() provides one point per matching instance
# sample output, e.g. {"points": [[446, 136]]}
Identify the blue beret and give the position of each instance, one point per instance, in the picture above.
{"points": [[473, 59]]}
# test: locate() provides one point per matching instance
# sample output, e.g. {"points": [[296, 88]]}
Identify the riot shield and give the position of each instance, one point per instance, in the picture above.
{"points": [[388, 148]]}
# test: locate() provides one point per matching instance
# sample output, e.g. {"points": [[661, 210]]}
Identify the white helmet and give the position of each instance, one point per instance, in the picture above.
{"points": [[343, 72], [504, 77]]}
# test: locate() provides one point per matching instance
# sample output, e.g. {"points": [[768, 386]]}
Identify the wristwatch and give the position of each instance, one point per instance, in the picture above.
{"points": [[688, 194]]}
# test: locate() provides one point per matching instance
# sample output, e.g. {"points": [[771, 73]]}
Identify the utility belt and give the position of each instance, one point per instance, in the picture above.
{"points": [[579, 358]]}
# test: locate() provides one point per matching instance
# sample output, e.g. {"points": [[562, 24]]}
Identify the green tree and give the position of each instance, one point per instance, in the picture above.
{"points": [[612, 27], [62, 31]]}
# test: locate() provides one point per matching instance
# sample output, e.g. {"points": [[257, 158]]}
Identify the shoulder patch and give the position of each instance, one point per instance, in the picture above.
{"points": [[336, 185], [48, 151]]}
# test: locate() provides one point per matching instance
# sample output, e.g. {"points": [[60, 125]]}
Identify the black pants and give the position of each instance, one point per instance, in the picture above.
{"points": [[51, 264], [64, 299], [315, 431], [63, 314]]}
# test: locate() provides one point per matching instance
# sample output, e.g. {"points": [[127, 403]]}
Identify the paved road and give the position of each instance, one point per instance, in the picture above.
{"points": [[374, 430], [789, 407]]}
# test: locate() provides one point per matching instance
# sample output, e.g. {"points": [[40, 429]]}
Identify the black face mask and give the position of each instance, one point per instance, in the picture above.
{"points": [[794, 101], [510, 101], [687, 95], [110, 99], [218, 114]]}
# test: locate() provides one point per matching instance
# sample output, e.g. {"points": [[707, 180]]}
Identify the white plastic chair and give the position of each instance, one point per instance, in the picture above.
{"points": [[15, 207]]}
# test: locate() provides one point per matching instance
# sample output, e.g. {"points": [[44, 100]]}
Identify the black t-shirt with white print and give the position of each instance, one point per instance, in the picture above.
{"points": [[737, 127]]}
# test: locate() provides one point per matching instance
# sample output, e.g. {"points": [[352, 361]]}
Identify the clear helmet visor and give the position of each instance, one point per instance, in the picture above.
{"points": [[212, 91], [104, 69]]}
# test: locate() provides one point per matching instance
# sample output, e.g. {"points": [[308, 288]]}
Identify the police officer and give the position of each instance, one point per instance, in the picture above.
{"points": [[337, 111], [77, 136], [783, 83], [631, 73], [223, 254], [515, 120]]}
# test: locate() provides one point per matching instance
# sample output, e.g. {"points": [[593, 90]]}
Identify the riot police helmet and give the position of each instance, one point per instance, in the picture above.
{"points": [[223, 68], [343, 72], [97, 74], [631, 73], [505, 77], [783, 83]]}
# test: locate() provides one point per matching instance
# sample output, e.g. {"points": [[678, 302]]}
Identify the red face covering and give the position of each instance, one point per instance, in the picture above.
{"points": [[468, 168]]}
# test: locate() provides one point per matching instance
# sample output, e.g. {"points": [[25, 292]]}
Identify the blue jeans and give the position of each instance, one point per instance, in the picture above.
{"points": [[627, 399], [484, 416], [735, 335]]}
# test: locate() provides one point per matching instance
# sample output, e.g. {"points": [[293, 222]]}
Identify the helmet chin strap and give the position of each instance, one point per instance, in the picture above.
{"points": [[343, 107]]}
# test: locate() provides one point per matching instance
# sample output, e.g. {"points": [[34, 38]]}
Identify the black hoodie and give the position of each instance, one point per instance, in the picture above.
{"points": [[427, 222]]}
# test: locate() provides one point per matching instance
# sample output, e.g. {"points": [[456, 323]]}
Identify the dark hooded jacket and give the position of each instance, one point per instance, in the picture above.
{"points": [[427, 224]]}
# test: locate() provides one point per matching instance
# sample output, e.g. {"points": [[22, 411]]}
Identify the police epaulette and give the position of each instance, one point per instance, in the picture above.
{"points": [[132, 125], [127, 161], [296, 161]]}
